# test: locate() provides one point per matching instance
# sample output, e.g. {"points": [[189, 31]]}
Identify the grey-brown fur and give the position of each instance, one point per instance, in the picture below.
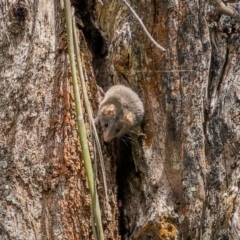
{"points": [[120, 110]]}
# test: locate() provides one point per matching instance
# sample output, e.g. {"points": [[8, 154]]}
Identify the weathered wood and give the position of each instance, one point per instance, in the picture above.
{"points": [[187, 182], [44, 194], [177, 177]]}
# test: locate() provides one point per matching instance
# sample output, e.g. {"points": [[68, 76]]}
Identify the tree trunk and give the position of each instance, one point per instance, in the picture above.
{"points": [[44, 192], [185, 185], [175, 178]]}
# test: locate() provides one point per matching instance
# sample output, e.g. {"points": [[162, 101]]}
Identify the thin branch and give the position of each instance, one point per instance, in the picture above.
{"points": [[88, 107], [81, 126], [226, 10], [144, 28]]}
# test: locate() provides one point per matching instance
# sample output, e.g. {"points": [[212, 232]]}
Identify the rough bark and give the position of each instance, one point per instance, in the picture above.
{"points": [[177, 177], [43, 192], [186, 181]]}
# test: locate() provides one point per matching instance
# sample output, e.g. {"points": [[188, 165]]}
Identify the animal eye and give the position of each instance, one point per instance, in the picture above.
{"points": [[117, 130], [106, 124]]}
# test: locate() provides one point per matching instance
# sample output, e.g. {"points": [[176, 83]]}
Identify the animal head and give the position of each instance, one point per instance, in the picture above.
{"points": [[113, 122]]}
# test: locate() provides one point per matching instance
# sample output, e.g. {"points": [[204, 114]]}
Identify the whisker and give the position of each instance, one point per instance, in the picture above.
{"points": [[127, 137], [132, 132], [124, 141]]}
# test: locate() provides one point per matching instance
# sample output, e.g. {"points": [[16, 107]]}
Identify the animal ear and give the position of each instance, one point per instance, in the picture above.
{"points": [[128, 118], [109, 110]]}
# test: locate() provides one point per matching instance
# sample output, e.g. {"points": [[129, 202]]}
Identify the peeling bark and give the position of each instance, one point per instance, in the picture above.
{"points": [[44, 193], [175, 178], [183, 188]]}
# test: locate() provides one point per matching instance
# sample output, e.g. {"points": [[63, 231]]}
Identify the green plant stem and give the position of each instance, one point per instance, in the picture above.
{"points": [[88, 107], [80, 124]]}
